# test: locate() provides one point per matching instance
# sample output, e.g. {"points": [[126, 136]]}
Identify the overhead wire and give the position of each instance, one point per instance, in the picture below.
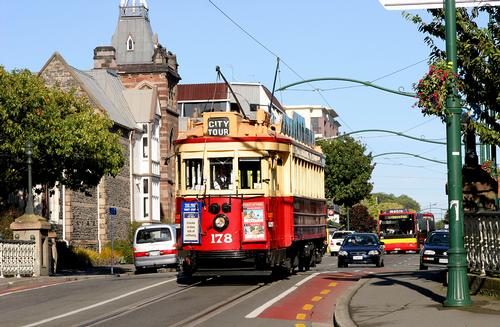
{"points": [[314, 88]]}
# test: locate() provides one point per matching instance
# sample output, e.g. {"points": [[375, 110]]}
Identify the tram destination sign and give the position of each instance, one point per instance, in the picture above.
{"points": [[218, 126]]}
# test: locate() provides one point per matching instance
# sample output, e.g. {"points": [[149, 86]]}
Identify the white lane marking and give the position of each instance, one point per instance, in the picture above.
{"points": [[97, 304], [38, 287], [266, 305]]}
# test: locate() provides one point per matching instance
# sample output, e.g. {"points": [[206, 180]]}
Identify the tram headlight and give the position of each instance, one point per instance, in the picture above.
{"points": [[226, 207], [220, 222], [214, 208]]}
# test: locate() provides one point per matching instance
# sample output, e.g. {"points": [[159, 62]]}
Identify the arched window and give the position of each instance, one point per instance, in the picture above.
{"points": [[130, 43], [171, 137]]}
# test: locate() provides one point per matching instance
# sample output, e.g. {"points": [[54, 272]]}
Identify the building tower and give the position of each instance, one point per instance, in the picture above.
{"points": [[142, 62]]}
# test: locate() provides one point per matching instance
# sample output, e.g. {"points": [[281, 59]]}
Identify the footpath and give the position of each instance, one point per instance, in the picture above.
{"points": [[415, 298]]}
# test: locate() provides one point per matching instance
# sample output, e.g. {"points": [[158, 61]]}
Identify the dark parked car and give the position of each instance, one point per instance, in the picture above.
{"points": [[435, 250], [361, 248]]}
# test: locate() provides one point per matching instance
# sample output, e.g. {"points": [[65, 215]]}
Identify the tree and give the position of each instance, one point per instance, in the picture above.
{"points": [[72, 144], [347, 170], [478, 62], [360, 220]]}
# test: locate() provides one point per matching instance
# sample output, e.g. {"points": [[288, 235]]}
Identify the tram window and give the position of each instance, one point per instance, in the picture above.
{"points": [[220, 173], [199, 107], [250, 173], [194, 174]]}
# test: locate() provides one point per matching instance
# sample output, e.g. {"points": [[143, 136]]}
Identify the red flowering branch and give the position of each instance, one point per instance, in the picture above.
{"points": [[432, 89]]}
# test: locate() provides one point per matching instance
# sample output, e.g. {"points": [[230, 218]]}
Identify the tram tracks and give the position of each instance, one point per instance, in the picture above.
{"points": [[192, 320]]}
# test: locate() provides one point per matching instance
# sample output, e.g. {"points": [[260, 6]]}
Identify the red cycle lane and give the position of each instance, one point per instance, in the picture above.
{"points": [[313, 301]]}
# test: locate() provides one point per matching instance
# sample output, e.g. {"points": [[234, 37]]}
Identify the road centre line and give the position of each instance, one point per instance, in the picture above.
{"points": [[266, 305], [98, 304]]}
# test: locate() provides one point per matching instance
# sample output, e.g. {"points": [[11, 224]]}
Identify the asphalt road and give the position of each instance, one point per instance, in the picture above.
{"points": [[303, 299]]}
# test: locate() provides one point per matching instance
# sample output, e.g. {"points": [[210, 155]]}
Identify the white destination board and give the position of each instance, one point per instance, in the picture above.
{"points": [[433, 4]]}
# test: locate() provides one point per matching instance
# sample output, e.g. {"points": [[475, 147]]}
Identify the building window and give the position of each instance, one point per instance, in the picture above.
{"points": [[171, 138], [130, 43], [315, 125], [146, 207], [145, 186], [145, 148]]}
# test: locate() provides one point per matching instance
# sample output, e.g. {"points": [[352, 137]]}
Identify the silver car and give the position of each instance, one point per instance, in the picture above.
{"points": [[154, 247]]}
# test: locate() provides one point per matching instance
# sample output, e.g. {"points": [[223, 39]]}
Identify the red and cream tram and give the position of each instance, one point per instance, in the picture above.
{"points": [[249, 197]]}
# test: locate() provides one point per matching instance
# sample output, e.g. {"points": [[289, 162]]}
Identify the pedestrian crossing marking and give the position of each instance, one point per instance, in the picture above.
{"points": [[324, 292], [332, 284]]}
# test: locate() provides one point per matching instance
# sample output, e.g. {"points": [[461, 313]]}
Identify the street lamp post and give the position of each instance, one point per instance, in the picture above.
{"points": [[458, 287], [29, 202]]}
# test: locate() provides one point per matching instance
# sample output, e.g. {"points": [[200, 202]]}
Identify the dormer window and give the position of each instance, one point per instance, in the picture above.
{"points": [[130, 43]]}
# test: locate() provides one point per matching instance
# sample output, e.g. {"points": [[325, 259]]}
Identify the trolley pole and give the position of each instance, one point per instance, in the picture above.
{"points": [[458, 286]]}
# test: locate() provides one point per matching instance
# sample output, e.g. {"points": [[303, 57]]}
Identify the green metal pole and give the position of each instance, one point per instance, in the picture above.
{"points": [[458, 287]]}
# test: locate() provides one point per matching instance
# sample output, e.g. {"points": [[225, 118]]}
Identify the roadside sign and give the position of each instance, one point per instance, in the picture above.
{"points": [[433, 4], [112, 211]]}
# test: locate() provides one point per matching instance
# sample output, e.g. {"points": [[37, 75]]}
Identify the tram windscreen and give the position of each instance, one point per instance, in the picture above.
{"points": [[221, 170], [194, 174], [249, 174], [396, 226]]}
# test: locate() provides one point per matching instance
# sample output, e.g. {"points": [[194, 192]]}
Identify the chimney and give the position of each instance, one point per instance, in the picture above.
{"points": [[105, 57]]}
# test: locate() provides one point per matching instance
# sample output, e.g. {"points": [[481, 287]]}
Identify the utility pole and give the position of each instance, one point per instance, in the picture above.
{"points": [[458, 285]]}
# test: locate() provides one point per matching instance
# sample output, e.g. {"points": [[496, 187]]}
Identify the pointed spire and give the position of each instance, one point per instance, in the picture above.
{"points": [[133, 3]]}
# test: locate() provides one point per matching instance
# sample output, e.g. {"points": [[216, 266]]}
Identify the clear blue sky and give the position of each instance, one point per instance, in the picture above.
{"points": [[320, 38]]}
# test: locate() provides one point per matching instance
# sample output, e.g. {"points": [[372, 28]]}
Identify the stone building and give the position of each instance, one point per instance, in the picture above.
{"points": [[143, 63], [134, 82], [84, 219]]}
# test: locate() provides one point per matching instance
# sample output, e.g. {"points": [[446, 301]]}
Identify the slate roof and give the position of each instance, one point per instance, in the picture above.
{"points": [[106, 88]]}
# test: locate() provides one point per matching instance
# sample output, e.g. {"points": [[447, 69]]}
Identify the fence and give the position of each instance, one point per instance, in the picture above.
{"points": [[17, 258], [482, 242]]}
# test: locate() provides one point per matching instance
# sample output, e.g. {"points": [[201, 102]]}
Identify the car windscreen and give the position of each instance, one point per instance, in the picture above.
{"points": [[360, 240], [151, 235], [438, 239]]}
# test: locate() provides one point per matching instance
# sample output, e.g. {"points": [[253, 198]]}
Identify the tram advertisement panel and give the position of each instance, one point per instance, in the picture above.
{"points": [[253, 222], [191, 222]]}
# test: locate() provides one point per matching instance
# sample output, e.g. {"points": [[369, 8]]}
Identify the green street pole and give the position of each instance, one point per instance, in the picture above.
{"points": [[458, 287]]}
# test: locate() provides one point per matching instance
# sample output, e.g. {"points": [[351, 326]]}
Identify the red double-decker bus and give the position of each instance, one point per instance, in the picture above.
{"points": [[402, 230]]}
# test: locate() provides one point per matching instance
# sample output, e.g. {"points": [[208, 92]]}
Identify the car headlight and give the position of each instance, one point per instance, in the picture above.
{"points": [[343, 253], [429, 252], [373, 252], [445, 253]]}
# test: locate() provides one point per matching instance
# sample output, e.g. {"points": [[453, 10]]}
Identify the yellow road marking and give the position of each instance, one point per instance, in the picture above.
{"points": [[300, 316], [333, 284], [323, 292], [300, 325], [316, 298], [307, 307]]}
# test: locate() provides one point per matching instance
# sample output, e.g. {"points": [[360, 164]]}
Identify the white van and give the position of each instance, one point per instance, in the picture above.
{"points": [[338, 237], [154, 247]]}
